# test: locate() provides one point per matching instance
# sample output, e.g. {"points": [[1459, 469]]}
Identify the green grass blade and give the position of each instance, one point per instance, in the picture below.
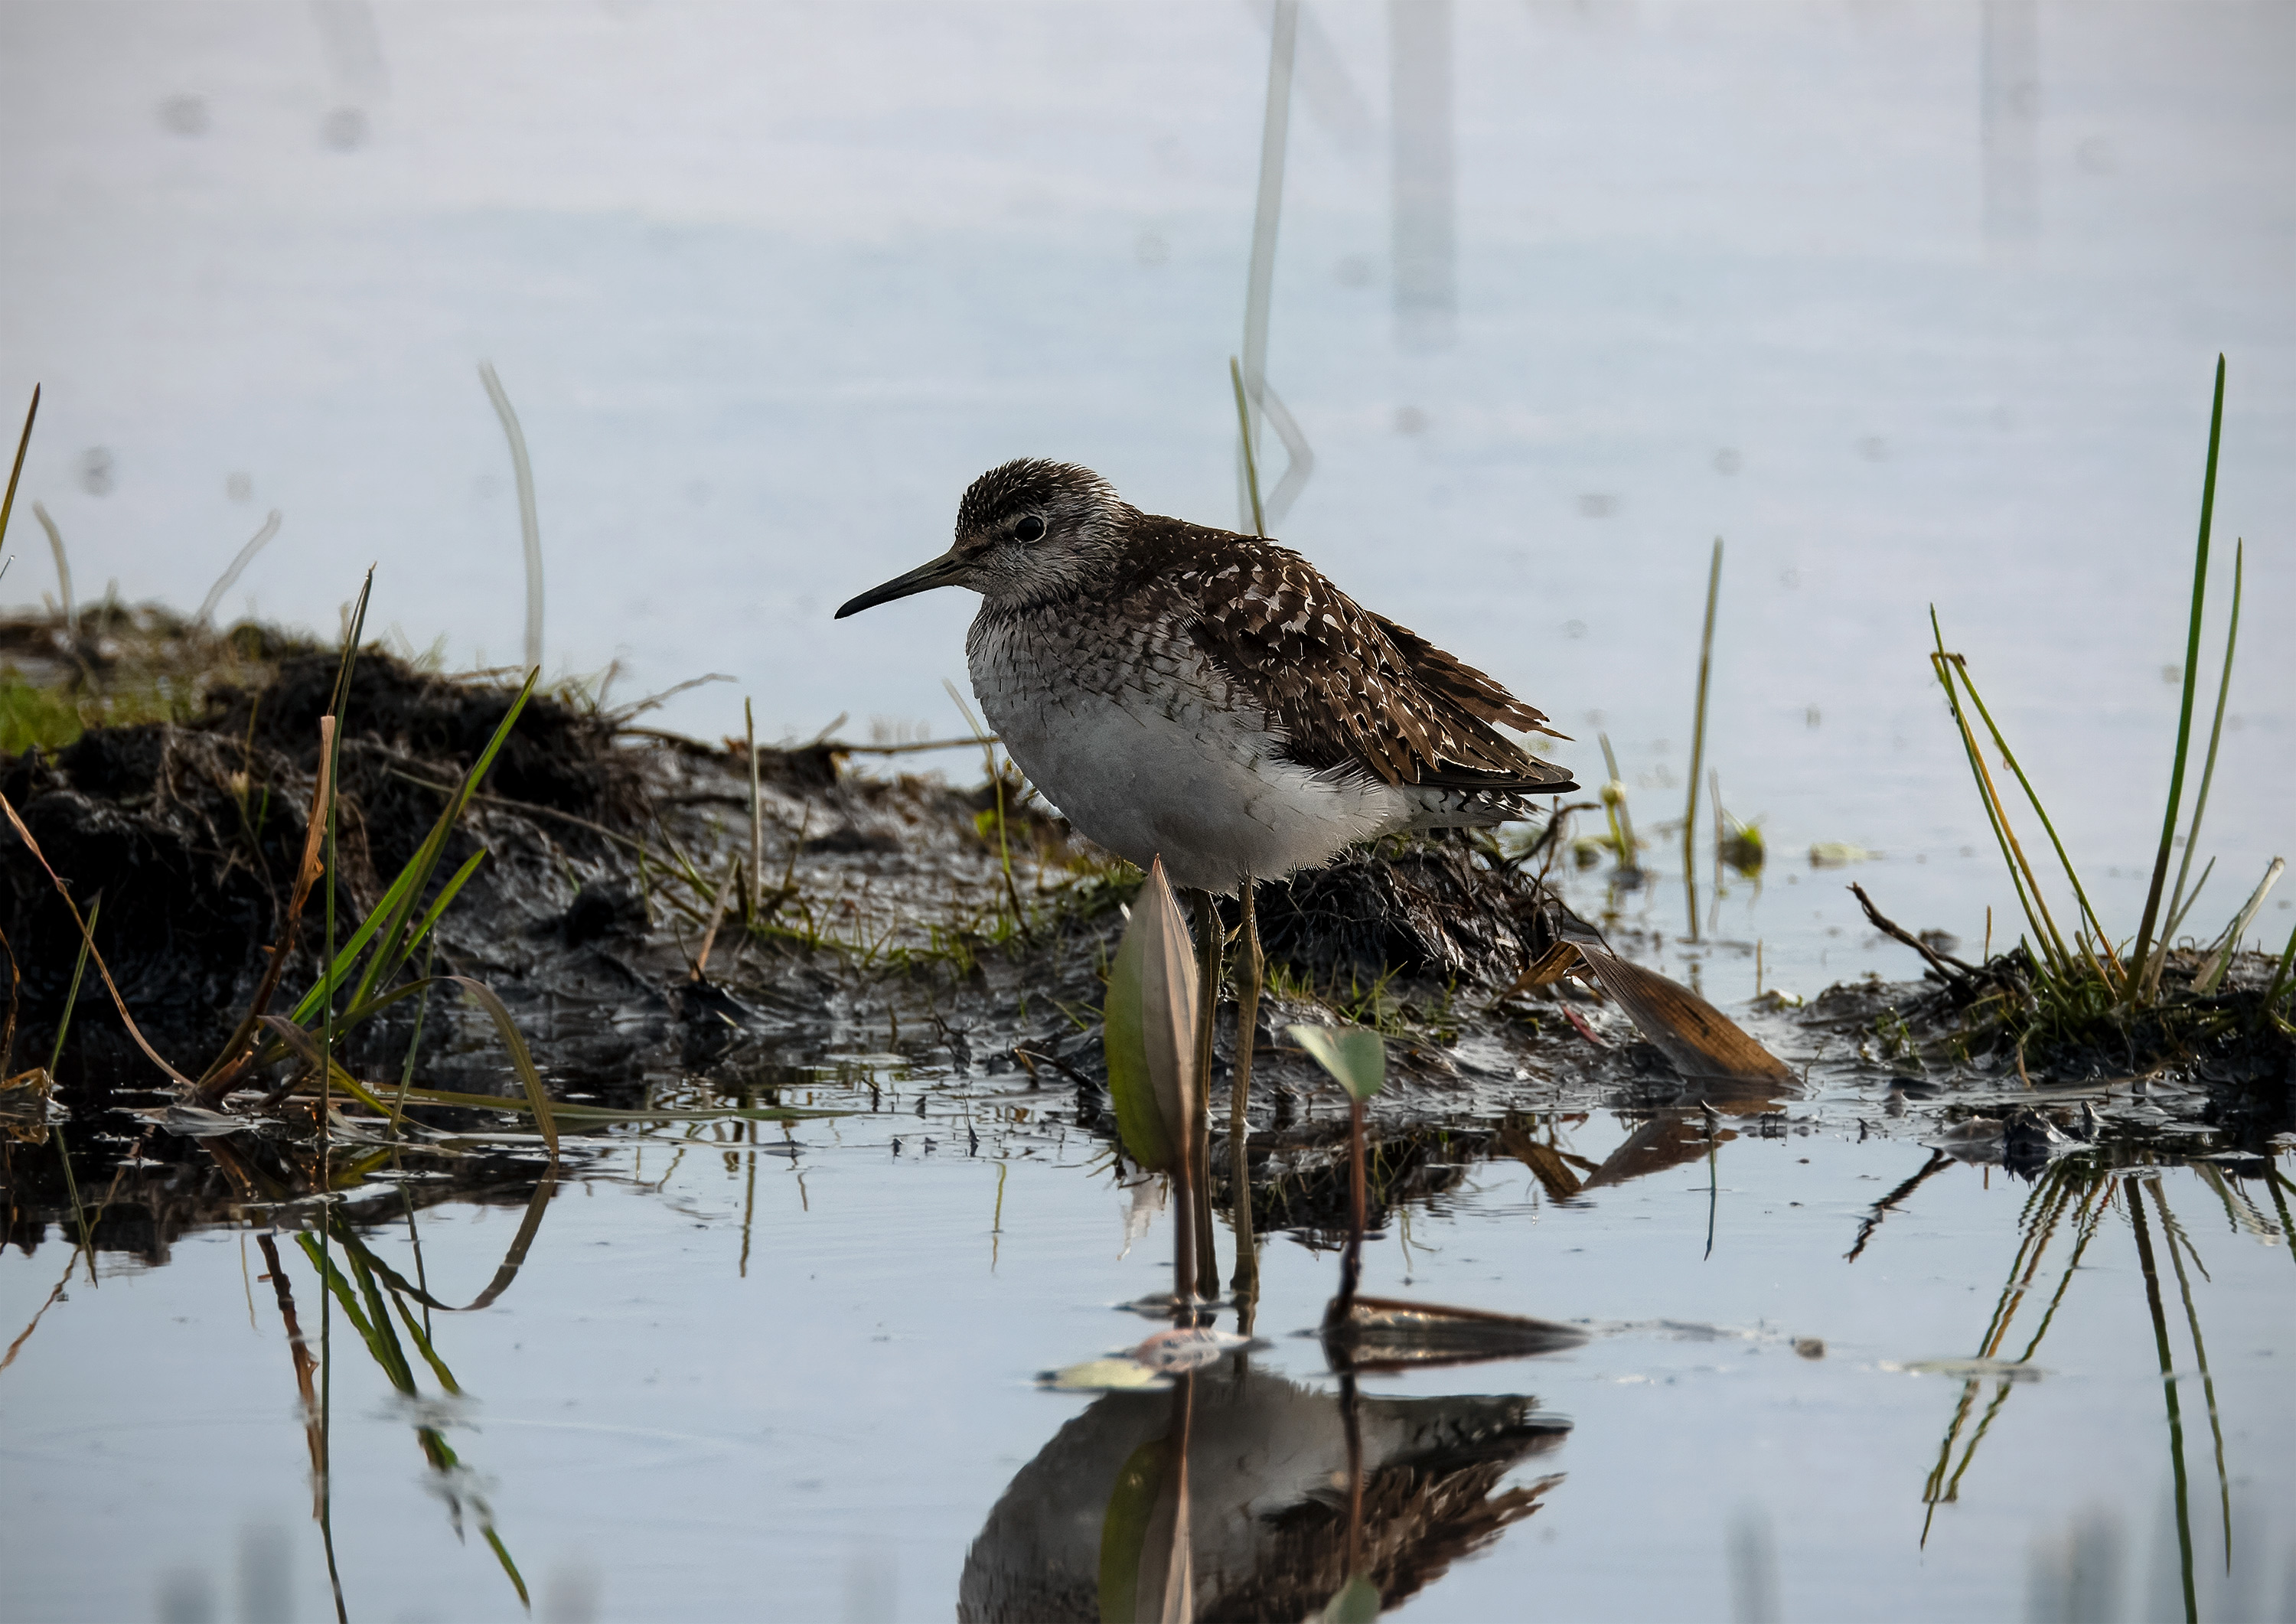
{"points": [[2134, 985], [349, 952], [1947, 668], [2280, 983], [23, 443], [501, 1555], [393, 952], [422, 1346], [378, 1314], [2080, 892], [446, 897], [2209, 763], [520, 1060], [340, 1287], [397, 901]]}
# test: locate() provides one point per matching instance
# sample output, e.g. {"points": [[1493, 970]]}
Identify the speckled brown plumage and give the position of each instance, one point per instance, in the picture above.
{"points": [[1210, 698], [1342, 684]]}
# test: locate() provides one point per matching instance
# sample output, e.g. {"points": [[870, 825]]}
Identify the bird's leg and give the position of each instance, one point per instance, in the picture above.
{"points": [[1209, 933], [1249, 970]]}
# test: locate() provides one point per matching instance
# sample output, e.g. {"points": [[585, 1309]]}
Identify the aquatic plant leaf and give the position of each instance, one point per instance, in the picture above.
{"points": [[1151, 1023], [1354, 1055], [1358, 1602], [520, 1059], [1700, 1040]]}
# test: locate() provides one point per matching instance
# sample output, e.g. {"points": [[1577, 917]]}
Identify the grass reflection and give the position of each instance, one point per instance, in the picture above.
{"points": [[2074, 1196]]}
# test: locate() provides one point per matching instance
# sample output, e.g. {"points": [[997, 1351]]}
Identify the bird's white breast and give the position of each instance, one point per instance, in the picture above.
{"points": [[1148, 751]]}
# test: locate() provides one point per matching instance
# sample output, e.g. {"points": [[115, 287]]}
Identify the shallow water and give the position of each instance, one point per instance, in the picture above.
{"points": [[769, 288], [794, 1380]]}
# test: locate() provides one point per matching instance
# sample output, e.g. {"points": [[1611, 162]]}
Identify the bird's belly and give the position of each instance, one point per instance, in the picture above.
{"points": [[1170, 773]]}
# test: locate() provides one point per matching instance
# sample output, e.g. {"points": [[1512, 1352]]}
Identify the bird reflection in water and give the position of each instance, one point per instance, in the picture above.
{"points": [[1241, 1494]]}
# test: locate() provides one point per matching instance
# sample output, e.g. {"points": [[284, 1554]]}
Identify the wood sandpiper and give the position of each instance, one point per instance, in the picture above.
{"points": [[1210, 698]]}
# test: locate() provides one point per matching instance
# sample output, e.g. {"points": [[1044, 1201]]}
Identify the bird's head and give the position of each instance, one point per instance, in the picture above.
{"points": [[1025, 532]]}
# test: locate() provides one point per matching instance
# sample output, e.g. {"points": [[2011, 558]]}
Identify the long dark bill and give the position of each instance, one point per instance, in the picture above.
{"points": [[942, 571]]}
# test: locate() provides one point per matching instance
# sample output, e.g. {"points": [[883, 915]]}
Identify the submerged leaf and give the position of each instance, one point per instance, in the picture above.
{"points": [[1354, 1055], [1151, 1020]]}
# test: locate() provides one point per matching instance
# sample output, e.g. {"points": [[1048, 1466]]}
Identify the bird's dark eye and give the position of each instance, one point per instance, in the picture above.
{"points": [[1030, 528]]}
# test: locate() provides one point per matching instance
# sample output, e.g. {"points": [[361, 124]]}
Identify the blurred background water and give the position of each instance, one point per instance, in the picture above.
{"points": [[1911, 303]]}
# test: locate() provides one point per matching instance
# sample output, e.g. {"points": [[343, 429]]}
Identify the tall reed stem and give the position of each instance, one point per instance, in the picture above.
{"points": [[2134, 987], [2177, 901], [1698, 745]]}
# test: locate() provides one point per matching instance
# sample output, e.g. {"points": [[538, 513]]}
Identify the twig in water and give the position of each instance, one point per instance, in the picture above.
{"points": [[1956, 972]]}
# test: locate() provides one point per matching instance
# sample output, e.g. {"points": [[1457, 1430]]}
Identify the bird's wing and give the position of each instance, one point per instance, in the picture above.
{"points": [[1344, 686]]}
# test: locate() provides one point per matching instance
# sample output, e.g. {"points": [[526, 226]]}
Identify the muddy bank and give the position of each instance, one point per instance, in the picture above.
{"points": [[845, 931]]}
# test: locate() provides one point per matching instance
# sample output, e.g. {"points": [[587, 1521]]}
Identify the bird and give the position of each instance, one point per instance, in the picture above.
{"points": [[1212, 701], [1209, 697]]}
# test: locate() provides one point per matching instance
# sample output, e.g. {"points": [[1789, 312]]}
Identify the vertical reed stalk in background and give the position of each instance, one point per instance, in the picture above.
{"points": [[240, 561], [530, 524], [63, 568], [1262, 401], [1698, 746], [1614, 803], [1250, 465], [2178, 903], [757, 820], [2134, 987]]}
